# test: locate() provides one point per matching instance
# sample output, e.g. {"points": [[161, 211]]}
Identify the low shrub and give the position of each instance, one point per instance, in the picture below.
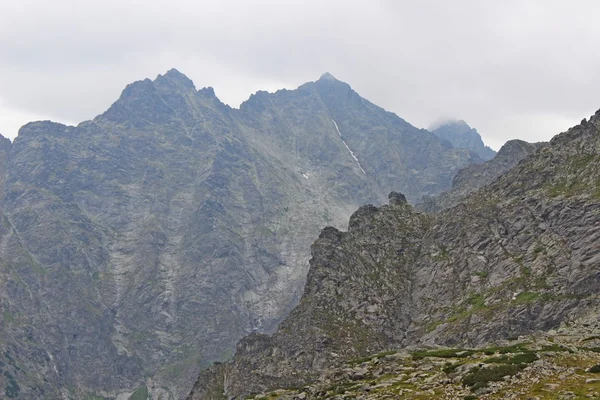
{"points": [[493, 374]]}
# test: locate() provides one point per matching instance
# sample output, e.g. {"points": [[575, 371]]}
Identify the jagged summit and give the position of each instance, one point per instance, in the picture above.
{"points": [[327, 77], [208, 90], [173, 75], [512, 146], [461, 135]]}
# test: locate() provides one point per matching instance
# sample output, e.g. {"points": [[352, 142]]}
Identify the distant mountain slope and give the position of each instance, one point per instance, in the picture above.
{"points": [[139, 247], [462, 136], [475, 176], [323, 122], [516, 257]]}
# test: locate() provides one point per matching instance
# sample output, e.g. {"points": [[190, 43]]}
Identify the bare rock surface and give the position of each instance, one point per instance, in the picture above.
{"points": [[518, 257]]}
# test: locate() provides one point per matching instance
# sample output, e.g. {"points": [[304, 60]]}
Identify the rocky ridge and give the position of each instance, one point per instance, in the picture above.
{"points": [[517, 257], [476, 176]]}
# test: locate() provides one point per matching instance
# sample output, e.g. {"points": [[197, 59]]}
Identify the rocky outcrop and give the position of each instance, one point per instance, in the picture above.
{"points": [[517, 257], [139, 247], [462, 136], [561, 365], [476, 176]]}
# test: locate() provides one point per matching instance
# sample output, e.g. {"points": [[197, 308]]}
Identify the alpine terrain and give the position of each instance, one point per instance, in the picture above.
{"points": [[506, 281], [137, 248]]}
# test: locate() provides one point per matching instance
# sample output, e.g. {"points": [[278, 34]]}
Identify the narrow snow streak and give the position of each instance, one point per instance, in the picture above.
{"points": [[304, 175], [351, 152]]}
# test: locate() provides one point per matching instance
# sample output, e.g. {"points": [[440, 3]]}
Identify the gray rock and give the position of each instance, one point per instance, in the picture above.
{"points": [[476, 176], [531, 237]]}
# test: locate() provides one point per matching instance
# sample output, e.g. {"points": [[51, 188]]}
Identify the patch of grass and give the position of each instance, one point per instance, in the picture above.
{"points": [[477, 301], [556, 348], [450, 368], [523, 358], [360, 360], [497, 373], [580, 162], [527, 297], [140, 394], [595, 369], [594, 349], [442, 255], [385, 353], [540, 283]]}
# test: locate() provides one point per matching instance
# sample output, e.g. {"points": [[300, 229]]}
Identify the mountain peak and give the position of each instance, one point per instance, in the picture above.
{"points": [[461, 135], [327, 77], [176, 77]]}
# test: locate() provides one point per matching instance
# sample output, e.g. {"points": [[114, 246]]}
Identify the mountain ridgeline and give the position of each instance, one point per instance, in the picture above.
{"points": [[518, 256], [462, 136], [139, 247], [476, 176]]}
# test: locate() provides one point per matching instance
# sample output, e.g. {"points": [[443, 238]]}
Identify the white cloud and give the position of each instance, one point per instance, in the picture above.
{"points": [[510, 69], [12, 119]]}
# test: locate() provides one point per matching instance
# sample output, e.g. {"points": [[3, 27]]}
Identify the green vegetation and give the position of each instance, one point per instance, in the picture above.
{"points": [[515, 348], [524, 358], [527, 297], [476, 301], [575, 185], [140, 394], [450, 368], [556, 348], [483, 376], [595, 369], [594, 349], [442, 255]]}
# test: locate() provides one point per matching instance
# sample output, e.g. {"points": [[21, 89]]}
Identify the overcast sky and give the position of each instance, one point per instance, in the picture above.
{"points": [[511, 69]]}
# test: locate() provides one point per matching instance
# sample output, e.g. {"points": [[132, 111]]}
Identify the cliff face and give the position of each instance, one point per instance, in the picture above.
{"points": [[516, 257], [139, 247]]}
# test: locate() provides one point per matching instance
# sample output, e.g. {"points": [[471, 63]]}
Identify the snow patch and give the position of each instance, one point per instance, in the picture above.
{"points": [[304, 175], [351, 152]]}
